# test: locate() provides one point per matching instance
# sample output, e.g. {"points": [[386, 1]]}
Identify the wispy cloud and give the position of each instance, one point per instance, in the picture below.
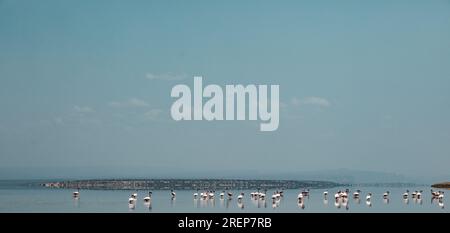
{"points": [[77, 115], [58, 120], [82, 109], [313, 100], [295, 101], [166, 76], [153, 114], [292, 109], [132, 102]]}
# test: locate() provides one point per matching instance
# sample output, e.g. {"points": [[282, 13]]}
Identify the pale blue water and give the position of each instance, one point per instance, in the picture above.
{"points": [[28, 199]]}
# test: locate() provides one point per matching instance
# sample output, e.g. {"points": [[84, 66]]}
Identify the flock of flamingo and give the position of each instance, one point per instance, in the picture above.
{"points": [[341, 198]]}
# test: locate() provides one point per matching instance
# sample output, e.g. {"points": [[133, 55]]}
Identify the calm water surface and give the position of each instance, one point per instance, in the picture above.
{"points": [[61, 200]]}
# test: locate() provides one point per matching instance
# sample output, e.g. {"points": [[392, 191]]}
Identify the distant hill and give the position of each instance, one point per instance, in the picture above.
{"points": [[347, 176], [343, 175], [445, 185], [356, 176]]}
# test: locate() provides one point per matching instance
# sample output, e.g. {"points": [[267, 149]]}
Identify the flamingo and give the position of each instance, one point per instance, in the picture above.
{"points": [[368, 197], [196, 194], [337, 203], [441, 204], [406, 194], [278, 195], [441, 195], [300, 197], [262, 196], [346, 193], [356, 194], [434, 194], [132, 200], [337, 195], [274, 197], [76, 194], [148, 198], [301, 203], [240, 197], [419, 194]]}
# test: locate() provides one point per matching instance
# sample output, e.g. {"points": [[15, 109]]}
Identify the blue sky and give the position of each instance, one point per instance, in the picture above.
{"points": [[85, 86]]}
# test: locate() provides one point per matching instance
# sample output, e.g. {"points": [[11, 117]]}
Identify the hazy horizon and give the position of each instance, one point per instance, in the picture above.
{"points": [[85, 87], [339, 175]]}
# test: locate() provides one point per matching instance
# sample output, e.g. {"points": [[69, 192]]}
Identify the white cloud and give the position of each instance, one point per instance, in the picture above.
{"points": [[153, 114], [77, 115], [166, 77], [137, 102], [132, 102], [313, 100], [322, 102], [82, 109]]}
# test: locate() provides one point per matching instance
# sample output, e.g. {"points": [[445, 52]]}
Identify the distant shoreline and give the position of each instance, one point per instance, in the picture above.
{"points": [[443, 185], [189, 184]]}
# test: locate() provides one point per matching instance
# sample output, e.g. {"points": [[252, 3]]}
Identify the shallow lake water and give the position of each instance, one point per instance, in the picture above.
{"points": [[61, 200]]}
